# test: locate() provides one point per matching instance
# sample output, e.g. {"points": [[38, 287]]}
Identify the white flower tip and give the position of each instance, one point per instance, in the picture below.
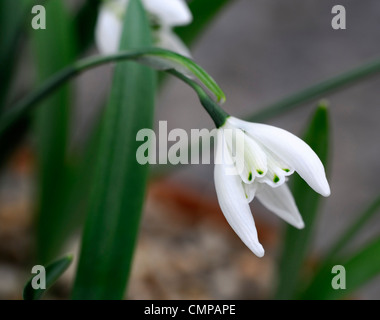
{"points": [[296, 221], [300, 225], [324, 189], [326, 194], [257, 249], [250, 239]]}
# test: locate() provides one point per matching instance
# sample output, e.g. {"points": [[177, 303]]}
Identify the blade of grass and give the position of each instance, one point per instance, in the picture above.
{"points": [[360, 268], [54, 50], [317, 91], [354, 229], [85, 22], [119, 186], [52, 273], [313, 288], [296, 242], [12, 19]]}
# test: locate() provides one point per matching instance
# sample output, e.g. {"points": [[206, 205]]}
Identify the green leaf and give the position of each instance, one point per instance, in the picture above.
{"points": [[203, 13], [85, 22], [12, 18], [318, 287], [354, 229], [297, 242], [165, 60], [54, 50], [317, 91], [52, 272], [119, 186], [359, 269]]}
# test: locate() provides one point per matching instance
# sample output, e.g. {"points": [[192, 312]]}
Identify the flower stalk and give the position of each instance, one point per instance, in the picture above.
{"points": [[217, 114], [160, 59]]}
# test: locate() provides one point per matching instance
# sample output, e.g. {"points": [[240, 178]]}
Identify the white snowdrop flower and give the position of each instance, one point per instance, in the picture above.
{"points": [[270, 156], [163, 15]]}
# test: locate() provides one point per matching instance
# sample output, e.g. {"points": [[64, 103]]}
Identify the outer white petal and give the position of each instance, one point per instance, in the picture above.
{"points": [[281, 202], [167, 39], [234, 204], [292, 150], [108, 31], [170, 12]]}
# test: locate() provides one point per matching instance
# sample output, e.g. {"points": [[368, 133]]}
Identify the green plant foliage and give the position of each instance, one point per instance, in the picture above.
{"points": [[119, 186], [52, 272], [297, 242]]}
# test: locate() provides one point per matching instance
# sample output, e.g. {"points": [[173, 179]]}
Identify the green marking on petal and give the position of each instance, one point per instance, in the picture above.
{"points": [[245, 193], [250, 176], [286, 170], [259, 172], [276, 179]]}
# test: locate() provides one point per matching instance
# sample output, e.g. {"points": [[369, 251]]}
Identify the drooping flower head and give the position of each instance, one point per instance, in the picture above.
{"points": [[163, 15], [264, 157], [261, 158]]}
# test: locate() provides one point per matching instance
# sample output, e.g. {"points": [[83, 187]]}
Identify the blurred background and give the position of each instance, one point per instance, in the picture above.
{"points": [[258, 52]]}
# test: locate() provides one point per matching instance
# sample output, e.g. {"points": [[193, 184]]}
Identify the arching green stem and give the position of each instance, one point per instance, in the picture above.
{"points": [[217, 114], [160, 59]]}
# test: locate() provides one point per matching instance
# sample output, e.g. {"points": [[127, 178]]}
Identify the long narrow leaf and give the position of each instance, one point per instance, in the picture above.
{"points": [[119, 186], [354, 229], [317, 284], [54, 50], [12, 22], [297, 242], [12, 16], [85, 22], [317, 91], [359, 268], [52, 272]]}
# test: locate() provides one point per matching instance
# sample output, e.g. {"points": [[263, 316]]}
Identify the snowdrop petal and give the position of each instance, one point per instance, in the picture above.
{"points": [[250, 159], [255, 157], [170, 12], [234, 204], [291, 150], [275, 177], [108, 31], [281, 202], [167, 13]]}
